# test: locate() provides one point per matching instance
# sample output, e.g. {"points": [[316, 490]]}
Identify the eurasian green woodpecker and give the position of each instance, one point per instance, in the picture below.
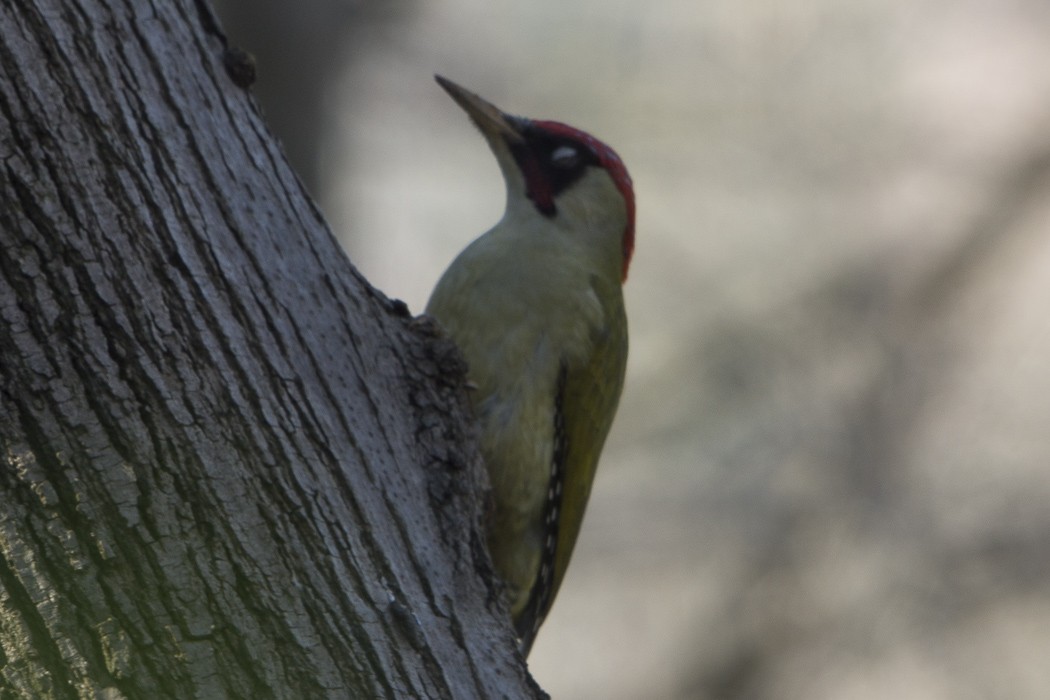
{"points": [[536, 307]]}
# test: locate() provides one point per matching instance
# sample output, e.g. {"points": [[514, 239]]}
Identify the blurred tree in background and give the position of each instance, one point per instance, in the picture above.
{"points": [[301, 50]]}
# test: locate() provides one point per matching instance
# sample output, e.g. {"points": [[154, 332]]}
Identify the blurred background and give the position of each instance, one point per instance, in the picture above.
{"points": [[830, 472]]}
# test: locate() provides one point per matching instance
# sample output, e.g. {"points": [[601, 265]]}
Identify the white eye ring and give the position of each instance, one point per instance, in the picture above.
{"points": [[565, 156]]}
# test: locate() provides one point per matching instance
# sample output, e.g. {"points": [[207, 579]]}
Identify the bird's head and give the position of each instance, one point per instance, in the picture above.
{"points": [[558, 173]]}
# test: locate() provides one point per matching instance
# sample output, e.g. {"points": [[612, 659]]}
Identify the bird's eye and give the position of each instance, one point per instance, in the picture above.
{"points": [[565, 157]]}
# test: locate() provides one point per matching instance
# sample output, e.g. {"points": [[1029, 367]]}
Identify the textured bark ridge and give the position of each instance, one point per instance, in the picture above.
{"points": [[230, 467]]}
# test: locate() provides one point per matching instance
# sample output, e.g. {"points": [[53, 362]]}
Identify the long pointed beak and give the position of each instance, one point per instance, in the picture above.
{"points": [[485, 115]]}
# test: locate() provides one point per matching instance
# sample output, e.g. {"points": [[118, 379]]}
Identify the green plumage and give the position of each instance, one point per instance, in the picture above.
{"points": [[524, 306], [592, 393], [536, 307]]}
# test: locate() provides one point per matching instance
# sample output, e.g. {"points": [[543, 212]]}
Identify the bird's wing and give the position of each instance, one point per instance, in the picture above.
{"points": [[588, 393]]}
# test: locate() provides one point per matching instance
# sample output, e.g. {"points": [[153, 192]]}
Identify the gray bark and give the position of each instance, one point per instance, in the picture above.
{"points": [[231, 468]]}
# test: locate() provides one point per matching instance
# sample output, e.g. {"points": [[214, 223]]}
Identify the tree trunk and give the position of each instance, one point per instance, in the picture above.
{"points": [[231, 467]]}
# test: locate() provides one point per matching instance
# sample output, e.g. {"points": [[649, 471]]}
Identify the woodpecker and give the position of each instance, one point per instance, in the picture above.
{"points": [[536, 307]]}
